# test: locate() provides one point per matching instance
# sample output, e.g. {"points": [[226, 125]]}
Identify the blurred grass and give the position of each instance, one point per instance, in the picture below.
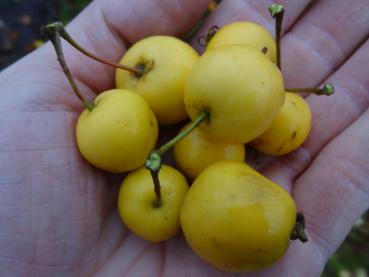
{"points": [[70, 8], [352, 257]]}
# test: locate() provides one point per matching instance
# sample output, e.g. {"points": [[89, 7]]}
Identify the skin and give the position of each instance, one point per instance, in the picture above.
{"points": [[226, 82], [119, 133], [163, 84], [236, 219], [60, 212], [136, 203], [197, 151], [247, 33], [289, 129]]}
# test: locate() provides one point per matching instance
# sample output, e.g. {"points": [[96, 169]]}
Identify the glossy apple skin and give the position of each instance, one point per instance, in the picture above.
{"points": [[136, 203], [197, 151], [246, 33], [236, 219], [119, 132], [289, 129], [240, 89], [168, 62]]}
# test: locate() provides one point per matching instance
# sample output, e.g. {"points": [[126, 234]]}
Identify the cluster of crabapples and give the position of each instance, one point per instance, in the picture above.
{"points": [[231, 216]]}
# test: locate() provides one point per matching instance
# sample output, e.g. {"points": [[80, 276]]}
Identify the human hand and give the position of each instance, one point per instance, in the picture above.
{"points": [[58, 213]]}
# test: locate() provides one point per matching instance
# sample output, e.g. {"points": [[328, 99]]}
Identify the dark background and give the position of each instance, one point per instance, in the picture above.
{"points": [[20, 21]]}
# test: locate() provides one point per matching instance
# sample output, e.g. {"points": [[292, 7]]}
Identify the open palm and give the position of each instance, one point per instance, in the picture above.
{"points": [[58, 214]]}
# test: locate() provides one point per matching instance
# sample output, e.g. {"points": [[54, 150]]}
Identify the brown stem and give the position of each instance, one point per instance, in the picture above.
{"points": [[277, 12], [298, 231], [204, 40], [56, 41], [157, 188], [189, 36], [59, 28], [153, 163]]}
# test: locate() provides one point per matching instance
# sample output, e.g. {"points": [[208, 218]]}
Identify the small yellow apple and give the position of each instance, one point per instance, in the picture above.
{"points": [[166, 63], [118, 133], [236, 219], [246, 33], [239, 88], [138, 206], [197, 151], [289, 129]]}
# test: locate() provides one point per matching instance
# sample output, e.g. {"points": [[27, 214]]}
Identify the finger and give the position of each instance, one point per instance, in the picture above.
{"points": [[107, 27], [333, 115], [318, 26], [334, 191], [133, 256], [257, 11], [250, 10], [330, 116], [181, 261], [332, 194], [316, 45], [322, 40], [302, 258]]}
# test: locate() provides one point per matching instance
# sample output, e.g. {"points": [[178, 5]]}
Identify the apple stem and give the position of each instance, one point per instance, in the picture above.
{"points": [[277, 12], [153, 162], [327, 89], [56, 41], [189, 36], [201, 118], [58, 27], [298, 231], [157, 188], [204, 40]]}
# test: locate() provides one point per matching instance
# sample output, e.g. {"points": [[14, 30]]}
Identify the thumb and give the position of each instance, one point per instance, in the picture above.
{"points": [[108, 27]]}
